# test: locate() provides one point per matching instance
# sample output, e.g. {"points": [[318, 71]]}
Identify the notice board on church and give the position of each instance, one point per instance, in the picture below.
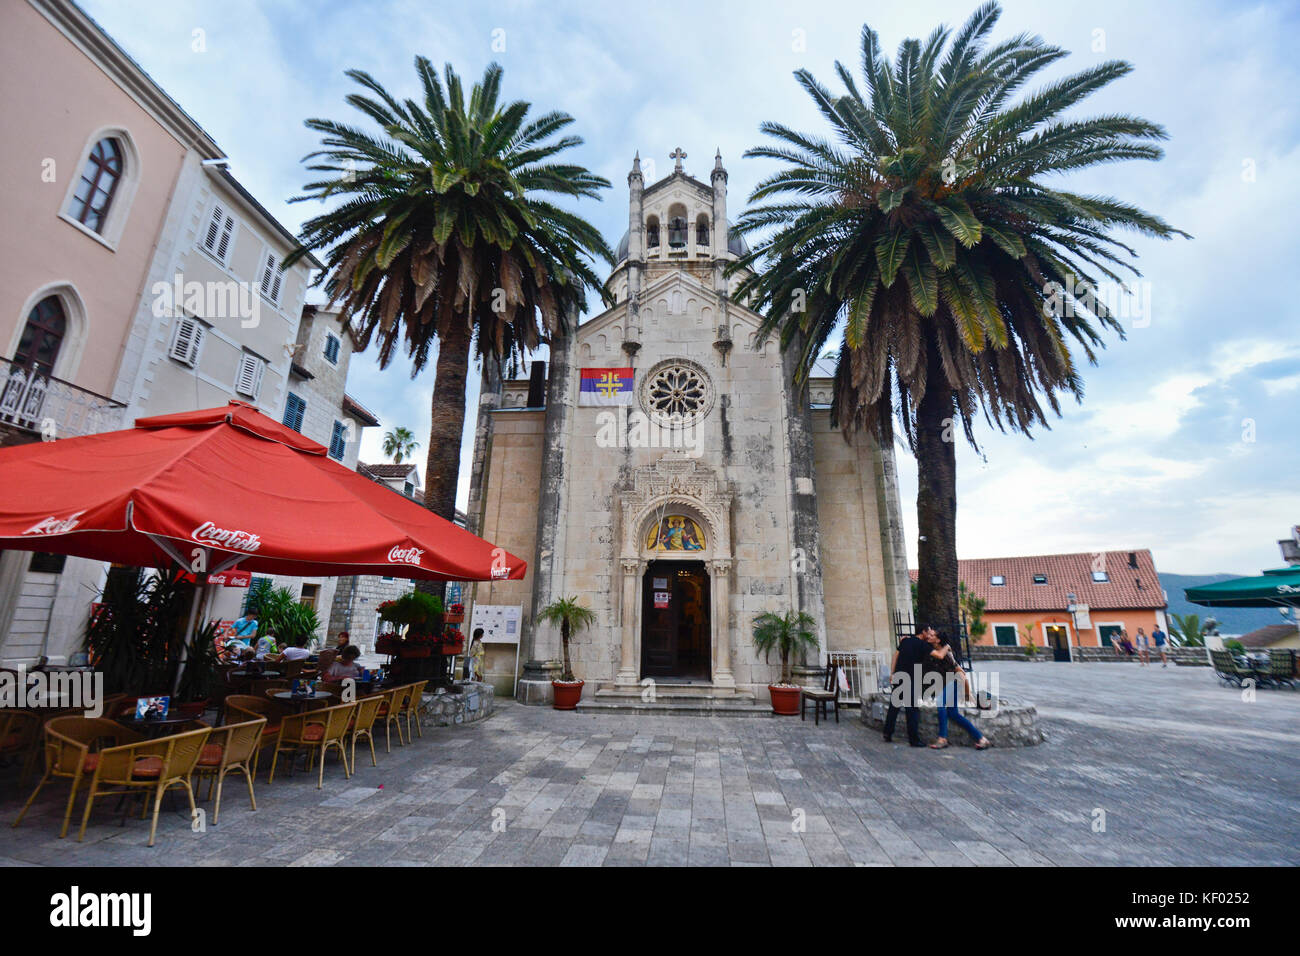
{"points": [[500, 622], [501, 625]]}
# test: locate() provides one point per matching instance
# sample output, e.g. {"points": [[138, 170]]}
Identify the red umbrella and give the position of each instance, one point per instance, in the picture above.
{"points": [[221, 487]]}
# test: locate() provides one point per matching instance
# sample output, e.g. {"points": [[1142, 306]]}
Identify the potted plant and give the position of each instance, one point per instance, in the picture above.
{"points": [[784, 633], [571, 617], [453, 641], [455, 614]]}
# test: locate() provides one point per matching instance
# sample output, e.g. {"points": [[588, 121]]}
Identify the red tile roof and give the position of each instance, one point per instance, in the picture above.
{"points": [[1268, 635], [390, 471], [1129, 588]]}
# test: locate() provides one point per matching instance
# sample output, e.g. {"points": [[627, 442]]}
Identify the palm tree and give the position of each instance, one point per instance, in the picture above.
{"points": [[399, 443], [927, 232], [1187, 630], [571, 617], [445, 235], [786, 633]]}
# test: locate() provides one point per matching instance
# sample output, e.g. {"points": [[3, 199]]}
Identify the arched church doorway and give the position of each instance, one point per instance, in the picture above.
{"points": [[675, 620]]}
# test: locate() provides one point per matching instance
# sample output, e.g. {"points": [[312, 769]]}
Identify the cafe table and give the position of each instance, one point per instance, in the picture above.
{"points": [[301, 700], [154, 727]]}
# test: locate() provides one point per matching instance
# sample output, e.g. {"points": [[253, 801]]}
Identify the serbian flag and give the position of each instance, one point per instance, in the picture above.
{"points": [[605, 386]]}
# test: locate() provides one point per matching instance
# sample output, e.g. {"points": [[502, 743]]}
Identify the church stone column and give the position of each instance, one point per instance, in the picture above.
{"points": [[635, 259], [806, 571], [721, 606], [541, 648], [633, 569], [720, 231]]}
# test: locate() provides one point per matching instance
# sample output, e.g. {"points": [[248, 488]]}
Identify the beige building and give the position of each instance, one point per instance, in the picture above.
{"points": [[715, 492], [93, 154], [144, 279]]}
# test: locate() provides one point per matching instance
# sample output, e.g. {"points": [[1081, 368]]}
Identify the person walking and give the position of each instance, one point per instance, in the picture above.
{"points": [[1161, 638], [1143, 648], [905, 684], [946, 664]]}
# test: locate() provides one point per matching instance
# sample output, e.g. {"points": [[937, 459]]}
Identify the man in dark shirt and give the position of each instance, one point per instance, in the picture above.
{"points": [[905, 683]]}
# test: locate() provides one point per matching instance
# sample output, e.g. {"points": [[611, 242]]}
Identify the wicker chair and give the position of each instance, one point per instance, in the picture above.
{"points": [[20, 738], [230, 748], [410, 707], [1281, 666], [147, 766], [1228, 670], [315, 732], [246, 707], [390, 713], [72, 746], [363, 724]]}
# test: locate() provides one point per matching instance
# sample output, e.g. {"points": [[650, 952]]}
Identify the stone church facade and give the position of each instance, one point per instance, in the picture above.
{"points": [[716, 492]]}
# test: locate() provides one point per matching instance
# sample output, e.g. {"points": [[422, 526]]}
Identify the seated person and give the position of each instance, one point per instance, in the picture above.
{"points": [[297, 652], [266, 647], [345, 665]]}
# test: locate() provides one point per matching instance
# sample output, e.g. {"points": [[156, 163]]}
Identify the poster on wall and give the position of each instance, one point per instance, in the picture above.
{"points": [[661, 599]]}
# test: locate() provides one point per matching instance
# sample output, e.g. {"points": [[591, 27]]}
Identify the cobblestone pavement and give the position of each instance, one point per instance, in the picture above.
{"points": [[1185, 770]]}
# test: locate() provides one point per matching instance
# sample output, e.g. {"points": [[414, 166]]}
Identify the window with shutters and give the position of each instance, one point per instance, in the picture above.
{"points": [[331, 348], [187, 341], [248, 380], [338, 441], [272, 278], [219, 234], [294, 409]]}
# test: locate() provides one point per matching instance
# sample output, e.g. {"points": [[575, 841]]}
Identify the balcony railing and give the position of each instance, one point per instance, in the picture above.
{"points": [[52, 408]]}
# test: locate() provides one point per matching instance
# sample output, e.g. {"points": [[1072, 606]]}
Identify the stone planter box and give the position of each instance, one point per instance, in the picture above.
{"points": [[1013, 724], [474, 702]]}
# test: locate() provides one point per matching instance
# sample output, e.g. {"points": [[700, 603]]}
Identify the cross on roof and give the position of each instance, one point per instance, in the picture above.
{"points": [[678, 154]]}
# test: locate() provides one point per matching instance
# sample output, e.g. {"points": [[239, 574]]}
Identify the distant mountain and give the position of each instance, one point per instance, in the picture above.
{"points": [[1232, 620]]}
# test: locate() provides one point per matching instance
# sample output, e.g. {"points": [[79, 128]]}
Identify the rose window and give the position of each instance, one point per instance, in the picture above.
{"points": [[677, 392]]}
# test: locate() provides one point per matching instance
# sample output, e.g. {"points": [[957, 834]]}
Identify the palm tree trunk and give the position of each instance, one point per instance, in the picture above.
{"points": [[936, 500], [442, 467], [567, 673]]}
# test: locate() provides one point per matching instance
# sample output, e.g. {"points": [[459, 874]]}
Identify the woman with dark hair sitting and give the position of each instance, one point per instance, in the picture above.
{"points": [[945, 662]]}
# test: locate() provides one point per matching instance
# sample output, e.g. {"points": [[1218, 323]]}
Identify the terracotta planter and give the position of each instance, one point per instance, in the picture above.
{"points": [[785, 700], [457, 648], [567, 693], [412, 652], [454, 617]]}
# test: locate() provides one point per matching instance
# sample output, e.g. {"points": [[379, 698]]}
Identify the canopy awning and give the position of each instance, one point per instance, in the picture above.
{"points": [[1279, 587], [225, 487]]}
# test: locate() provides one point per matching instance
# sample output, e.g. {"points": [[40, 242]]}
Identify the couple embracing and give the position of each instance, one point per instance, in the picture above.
{"points": [[928, 652]]}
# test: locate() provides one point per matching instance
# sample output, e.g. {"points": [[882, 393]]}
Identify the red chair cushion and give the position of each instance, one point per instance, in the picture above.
{"points": [[147, 768], [383, 709], [90, 763], [270, 729], [313, 732], [211, 756]]}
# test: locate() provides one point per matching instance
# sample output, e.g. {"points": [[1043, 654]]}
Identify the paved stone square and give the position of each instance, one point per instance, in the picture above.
{"points": [[1185, 770]]}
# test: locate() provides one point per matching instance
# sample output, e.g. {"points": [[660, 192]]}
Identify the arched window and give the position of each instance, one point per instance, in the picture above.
{"points": [[42, 338], [652, 232], [99, 178], [702, 230]]}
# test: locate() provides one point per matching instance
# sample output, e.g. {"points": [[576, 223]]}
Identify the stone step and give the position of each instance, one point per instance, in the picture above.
{"points": [[693, 706], [677, 692]]}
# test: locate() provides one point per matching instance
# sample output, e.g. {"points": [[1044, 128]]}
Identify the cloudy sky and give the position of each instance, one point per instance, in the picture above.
{"points": [[1182, 443]]}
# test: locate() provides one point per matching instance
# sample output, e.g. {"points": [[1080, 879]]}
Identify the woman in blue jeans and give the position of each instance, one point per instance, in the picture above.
{"points": [[946, 664]]}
